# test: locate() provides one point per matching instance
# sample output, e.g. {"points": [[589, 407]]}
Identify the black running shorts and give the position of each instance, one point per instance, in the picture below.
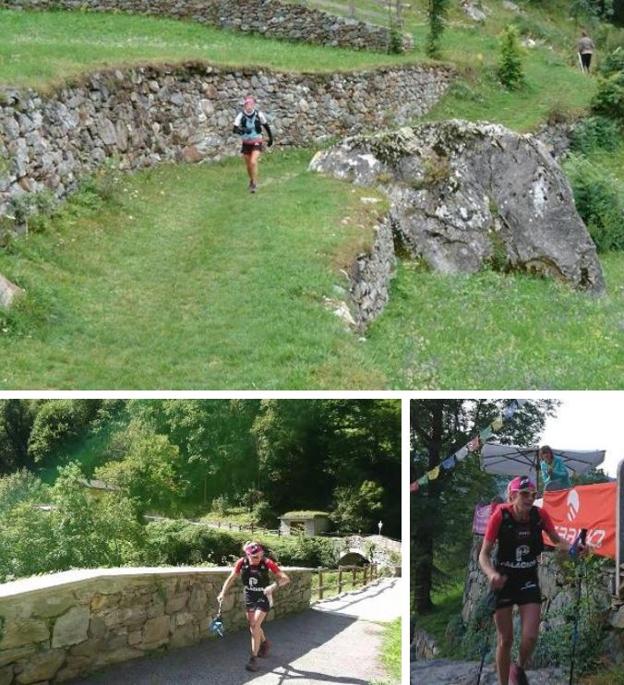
{"points": [[520, 589], [249, 147], [256, 600]]}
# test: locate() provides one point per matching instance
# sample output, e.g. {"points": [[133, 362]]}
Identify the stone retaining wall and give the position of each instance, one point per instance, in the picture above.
{"points": [[56, 627], [145, 115], [370, 275], [271, 18]]}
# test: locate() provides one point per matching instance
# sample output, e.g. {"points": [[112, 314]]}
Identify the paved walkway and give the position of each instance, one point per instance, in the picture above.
{"points": [[335, 642]]}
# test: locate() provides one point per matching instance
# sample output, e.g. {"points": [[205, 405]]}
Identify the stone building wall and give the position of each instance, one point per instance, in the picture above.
{"points": [[270, 18], [56, 627]]}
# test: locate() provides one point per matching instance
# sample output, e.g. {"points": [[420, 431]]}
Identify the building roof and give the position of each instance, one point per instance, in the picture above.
{"points": [[289, 515]]}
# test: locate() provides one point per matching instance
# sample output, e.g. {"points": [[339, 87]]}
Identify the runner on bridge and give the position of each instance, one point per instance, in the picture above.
{"points": [[517, 526], [254, 570]]}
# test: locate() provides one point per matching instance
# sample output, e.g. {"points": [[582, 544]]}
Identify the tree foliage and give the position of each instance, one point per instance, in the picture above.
{"points": [[436, 12], [441, 513], [181, 456], [510, 70]]}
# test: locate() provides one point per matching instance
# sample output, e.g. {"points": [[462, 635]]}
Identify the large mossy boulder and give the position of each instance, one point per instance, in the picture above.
{"points": [[467, 195]]}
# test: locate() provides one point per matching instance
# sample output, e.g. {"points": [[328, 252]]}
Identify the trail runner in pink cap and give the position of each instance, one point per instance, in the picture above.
{"points": [[248, 125], [517, 526], [254, 570]]}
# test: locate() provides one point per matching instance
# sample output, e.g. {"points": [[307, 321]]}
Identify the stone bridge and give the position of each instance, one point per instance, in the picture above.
{"points": [[377, 548]]}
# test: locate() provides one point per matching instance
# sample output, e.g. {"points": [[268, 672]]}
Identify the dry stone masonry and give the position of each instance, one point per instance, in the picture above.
{"points": [[54, 628], [270, 18], [146, 115], [464, 195]]}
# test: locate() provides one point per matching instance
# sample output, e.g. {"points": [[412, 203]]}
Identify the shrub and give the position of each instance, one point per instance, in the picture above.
{"points": [[597, 195], [263, 515], [609, 98], [510, 66], [437, 18], [220, 505], [395, 43], [594, 133]]}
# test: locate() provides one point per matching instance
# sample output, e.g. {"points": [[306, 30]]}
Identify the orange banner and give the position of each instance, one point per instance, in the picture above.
{"points": [[585, 506]]}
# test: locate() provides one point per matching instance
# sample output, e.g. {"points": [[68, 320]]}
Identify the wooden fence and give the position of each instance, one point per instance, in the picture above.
{"points": [[330, 578]]}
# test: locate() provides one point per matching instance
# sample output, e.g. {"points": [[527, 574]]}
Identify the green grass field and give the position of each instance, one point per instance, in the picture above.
{"points": [[41, 49], [180, 279], [168, 286]]}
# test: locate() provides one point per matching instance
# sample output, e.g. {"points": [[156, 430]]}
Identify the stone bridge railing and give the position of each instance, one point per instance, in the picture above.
{"points": [[56, 627], [383, 549], [270, 18]]}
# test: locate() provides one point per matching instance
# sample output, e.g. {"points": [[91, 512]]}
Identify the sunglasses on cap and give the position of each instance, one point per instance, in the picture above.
{"points": [[253, 550]]}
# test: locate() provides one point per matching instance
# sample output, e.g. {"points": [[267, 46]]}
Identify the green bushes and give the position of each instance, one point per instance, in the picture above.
{"points": [[180, 542], [598, 197], [594, 133], [609, 98], [510, 70]]}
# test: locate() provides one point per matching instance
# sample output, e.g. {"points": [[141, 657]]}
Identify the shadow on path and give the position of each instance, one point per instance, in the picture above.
{"points": [[308, 648], [365, 594]]}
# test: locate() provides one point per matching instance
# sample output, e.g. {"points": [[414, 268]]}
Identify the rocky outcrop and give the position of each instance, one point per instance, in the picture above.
{"points": [[466, 195], [423, 646], [270, 18]]}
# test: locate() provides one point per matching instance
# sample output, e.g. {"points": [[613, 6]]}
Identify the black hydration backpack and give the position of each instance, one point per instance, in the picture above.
{"points": [[259, 572], [249, 122], [507, 534]]}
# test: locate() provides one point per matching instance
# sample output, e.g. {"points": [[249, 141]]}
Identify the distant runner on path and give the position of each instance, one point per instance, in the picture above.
{"points": [[585, 47], [254, 570], [249, 124]]}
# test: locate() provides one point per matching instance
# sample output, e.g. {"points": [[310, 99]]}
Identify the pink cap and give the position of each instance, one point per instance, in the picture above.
{"points": [[520, 483], [249, 100], [252, 548]]}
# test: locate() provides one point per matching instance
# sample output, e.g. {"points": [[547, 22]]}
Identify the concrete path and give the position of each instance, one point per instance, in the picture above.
{"points": [[335, 642]]}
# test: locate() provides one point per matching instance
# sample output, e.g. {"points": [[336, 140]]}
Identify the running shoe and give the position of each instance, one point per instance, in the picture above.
{"points": [[263, 652], [517, 676], [252, 664], [252, 187]]}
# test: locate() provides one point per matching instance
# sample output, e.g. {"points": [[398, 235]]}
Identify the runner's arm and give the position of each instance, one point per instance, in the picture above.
{"points": [[237, 124], [268, 130], [226, 586], [281, 578], [551, 531]]}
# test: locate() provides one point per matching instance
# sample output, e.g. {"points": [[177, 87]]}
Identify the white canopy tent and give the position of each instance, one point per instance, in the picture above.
{"points": [[512, 460]]}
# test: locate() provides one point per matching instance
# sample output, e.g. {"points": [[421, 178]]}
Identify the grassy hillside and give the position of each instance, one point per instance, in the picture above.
{"points": [[40, 49], [165, 285]]}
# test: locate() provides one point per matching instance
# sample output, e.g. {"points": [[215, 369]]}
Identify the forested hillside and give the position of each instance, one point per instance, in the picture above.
{"points": [[255, 459]]}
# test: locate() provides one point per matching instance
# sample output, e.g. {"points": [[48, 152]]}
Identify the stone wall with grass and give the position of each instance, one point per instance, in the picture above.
{"points": [[56, 627], [145, 115], [271, 18]]}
